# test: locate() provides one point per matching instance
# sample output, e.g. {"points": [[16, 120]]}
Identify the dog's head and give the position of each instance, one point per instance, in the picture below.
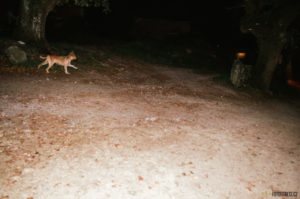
{"points": [[72, 55]]}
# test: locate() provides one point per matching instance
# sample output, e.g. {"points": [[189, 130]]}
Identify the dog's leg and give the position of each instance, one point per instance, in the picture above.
{"points": [[73, 66], [49, 66], [43, 63], [66, 69]]}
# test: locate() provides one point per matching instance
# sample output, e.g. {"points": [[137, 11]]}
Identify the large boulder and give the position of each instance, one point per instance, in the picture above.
{"points": [[16, 55], [240, 73]]}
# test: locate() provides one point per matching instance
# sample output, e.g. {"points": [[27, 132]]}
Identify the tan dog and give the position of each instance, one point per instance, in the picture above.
{"points": [[64, 61]]}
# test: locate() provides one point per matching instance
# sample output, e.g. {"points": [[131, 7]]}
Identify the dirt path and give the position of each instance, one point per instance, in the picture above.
{"points": [[142, 131]]}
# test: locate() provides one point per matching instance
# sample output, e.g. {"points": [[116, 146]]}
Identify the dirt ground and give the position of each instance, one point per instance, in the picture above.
{"points": [[143, 131]]}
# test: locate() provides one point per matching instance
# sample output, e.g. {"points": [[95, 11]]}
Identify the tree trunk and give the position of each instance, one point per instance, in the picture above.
{"points": [[269, 22], [32, 21], [268, 59]]}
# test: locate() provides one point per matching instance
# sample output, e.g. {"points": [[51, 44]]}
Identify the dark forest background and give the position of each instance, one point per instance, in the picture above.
{"points": [[213, 24]]}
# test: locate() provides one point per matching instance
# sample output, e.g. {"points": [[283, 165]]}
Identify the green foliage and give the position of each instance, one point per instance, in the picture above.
{"points": [[89, 3]]}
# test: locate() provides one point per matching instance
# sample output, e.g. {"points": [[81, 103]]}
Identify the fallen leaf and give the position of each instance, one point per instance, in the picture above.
{"points": [[250, 186]]}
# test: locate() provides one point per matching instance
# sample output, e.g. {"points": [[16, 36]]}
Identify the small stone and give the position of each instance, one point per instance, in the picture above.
{"points": [[27, 170]]}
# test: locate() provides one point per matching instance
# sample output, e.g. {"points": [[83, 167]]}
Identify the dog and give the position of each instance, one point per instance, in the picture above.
{"points": [[64, 61]]}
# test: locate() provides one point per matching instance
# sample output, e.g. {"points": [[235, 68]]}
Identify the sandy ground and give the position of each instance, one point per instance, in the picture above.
{"points": [[141, 131]]}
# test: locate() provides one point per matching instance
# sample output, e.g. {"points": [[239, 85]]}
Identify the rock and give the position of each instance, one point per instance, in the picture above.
{"points": [[16, 55], [27, 170], [240, 73]]}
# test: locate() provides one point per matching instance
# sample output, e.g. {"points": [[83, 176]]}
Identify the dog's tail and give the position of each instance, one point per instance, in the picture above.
{"points": [[43, 57]]}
